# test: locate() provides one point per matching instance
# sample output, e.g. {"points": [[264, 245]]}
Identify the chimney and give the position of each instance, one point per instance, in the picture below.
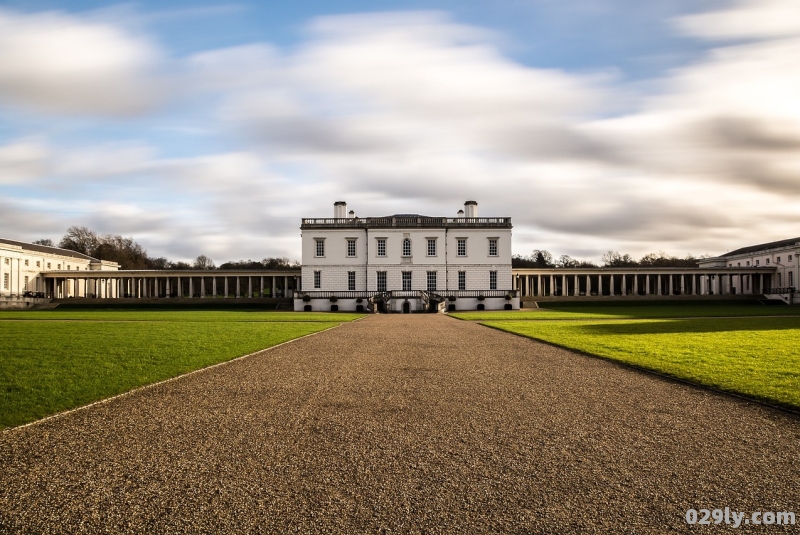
{"points": [[339, 209], [471, 209], [461, 213], [352, 214]]}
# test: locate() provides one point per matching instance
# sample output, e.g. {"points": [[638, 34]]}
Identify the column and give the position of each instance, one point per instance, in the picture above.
{"points": [[540, 285], [285, 286], [191, 289], [611, 286], [249, 287], [202, 287], [564, 287], [635, 284], [588, 285], [577, 287], [683, 284], [552, 284], [179, 293], [166, 289], [647, 284], [600, 284], [261, 287], [274, 288], [671, 289], [214, 286], [624, 285], [658, 284], [238, 287], [226, 286]]}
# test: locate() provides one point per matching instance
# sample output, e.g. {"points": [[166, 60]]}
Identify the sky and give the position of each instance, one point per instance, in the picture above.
{"points": [[213, 128]]}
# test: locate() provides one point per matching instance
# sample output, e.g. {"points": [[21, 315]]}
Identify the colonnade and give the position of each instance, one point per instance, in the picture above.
{"points": [[552, 283], [148, 285]]}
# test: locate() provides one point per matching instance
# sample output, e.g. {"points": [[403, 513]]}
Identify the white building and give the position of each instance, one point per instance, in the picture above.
{"points": [[406, 262], [782, 257], [22, 268]]}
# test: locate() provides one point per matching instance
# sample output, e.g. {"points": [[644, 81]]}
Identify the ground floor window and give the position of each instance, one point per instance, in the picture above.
{"points": [[406, 281], [317, 279], [431, 281], [5, 281], [791, 279], [381, 281], [492, 280], [26, 284], [462, 280], [351, 281]]}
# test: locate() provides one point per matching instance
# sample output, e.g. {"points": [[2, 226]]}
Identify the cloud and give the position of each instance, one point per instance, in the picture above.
{"points": [[749, 19], [23, 161], [55, 62]]}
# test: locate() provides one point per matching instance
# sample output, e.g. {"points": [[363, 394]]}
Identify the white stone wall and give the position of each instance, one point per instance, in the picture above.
{"points": [[13, 268]]}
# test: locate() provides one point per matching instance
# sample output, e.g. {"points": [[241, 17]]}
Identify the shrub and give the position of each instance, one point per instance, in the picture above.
{"points": [[306, 298]]}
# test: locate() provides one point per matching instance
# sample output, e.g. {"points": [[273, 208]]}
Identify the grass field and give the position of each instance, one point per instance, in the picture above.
{"points": [[552, 312], [55, 360], [755, 356]]}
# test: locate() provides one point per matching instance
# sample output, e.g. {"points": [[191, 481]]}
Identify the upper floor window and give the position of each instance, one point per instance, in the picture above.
{"points": [[381, 247], [5, 281], [48, 265], [317, 279], [492, 280], [758, 262], [461, 248], [351, 281], [790, 258], [6, 261], [406, 247], [492, 246], [320, 247], [767, 261], [351, 247], [431, 246], [462, 280], [738, 264], [748, 262], [59, 266], [26, 261], [39, 264], [778, 260]]}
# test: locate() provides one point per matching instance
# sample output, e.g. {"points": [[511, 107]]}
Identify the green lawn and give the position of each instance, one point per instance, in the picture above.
{"points": [[630, 312], [757, 357], [55, 360]]}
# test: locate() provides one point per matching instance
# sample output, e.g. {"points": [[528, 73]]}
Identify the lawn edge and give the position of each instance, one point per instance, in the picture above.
{"points": [[783, 408], [164, 381]]}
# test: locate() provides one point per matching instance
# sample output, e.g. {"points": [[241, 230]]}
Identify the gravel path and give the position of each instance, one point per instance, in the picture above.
{"points": [[401, 424]]}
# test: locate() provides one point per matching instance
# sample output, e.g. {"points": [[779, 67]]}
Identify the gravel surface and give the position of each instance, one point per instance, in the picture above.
{"points": [[401, 424]]}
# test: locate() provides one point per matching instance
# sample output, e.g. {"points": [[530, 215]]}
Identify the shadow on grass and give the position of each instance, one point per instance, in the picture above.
{"points": [[694, 326]]}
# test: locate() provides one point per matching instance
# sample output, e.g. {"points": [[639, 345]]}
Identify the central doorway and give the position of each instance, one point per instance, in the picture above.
{"points": [[406, 307]]}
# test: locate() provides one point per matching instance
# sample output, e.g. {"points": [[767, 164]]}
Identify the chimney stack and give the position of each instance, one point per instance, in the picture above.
{"points": [[471, 209], [340, 209], [351, 214], [461, 213]]}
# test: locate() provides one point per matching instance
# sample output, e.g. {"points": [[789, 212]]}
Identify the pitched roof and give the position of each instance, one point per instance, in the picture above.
{"points": [[764, 246], [47, 249]]}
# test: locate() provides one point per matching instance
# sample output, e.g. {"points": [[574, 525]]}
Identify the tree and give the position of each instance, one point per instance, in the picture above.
{"points": [[45, 241], [81, 240], [542, 259], [203, 262], [614, 259]]}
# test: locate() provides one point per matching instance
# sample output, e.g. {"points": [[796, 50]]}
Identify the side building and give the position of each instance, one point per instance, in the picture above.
{"points": [[406, 262], [23, 267]]}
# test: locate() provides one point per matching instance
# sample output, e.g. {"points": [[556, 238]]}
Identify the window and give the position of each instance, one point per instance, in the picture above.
{"points": [[6, 261], [69, 267], [39, 264], [758, 262], [767, 261], [492, 280], [381, 247], [320, 247], [461, 249], [406, 247], [778, 260], [431, 246], [351, 281], [748, 263], [26, 261], [48, 265], [738, 264], [317, 279], [26, 284], [5, 281], [59, 266], [791, 278], [790, 258], [406, 281], [492, 246], [462, 280], [351, 247], [431, 281], [381, 281]]}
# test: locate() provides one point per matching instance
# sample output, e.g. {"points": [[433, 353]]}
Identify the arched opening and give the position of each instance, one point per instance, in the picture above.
{"points": [[406, 307]]}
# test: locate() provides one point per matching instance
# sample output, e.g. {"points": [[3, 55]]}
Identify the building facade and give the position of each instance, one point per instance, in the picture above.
{"points": [[23, 267], [406, 262]]}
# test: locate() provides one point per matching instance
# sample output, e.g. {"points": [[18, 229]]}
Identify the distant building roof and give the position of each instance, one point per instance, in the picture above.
{"points": [[47, 249], [764, 247]]}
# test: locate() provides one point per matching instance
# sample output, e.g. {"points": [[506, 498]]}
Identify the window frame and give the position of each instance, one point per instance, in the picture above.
{"points": [[406, 276], [317, 280], [431, 245], [461, 243], [380, 247], [462, 280], [403, 253], [351, 242], [351, 281], [380, 280], [493, 242], [432, 276], [493, 280], [319, 242]]}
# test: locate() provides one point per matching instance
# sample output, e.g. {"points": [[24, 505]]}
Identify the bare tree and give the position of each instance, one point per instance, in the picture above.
{"points": [[45, 241], [203, 262], [81, 240]]}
